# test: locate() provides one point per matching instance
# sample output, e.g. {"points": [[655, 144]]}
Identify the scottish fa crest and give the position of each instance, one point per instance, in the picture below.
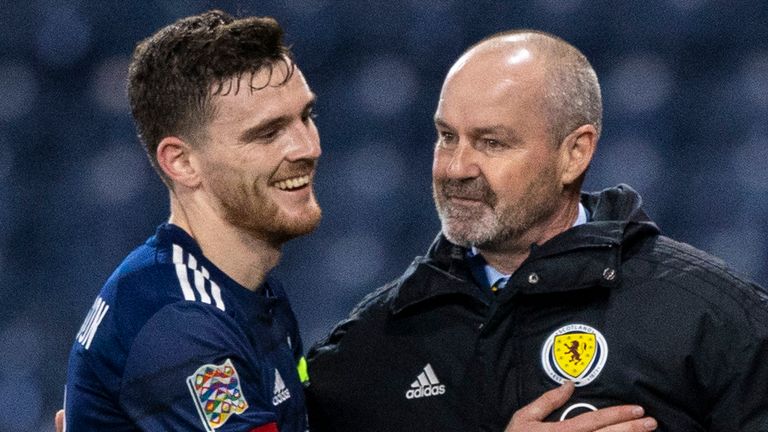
{"points": [[576, 352]]}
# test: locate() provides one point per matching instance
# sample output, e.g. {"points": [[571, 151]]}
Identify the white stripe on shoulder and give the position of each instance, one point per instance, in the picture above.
{"points": [[181, 273], [216, 292], [201, 275], [191, 262], [200, 286]]}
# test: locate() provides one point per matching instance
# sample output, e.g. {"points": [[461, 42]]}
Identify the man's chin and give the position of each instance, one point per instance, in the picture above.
{"points": [[279, 227], [462, 236], [297, 226], [303, 229]]}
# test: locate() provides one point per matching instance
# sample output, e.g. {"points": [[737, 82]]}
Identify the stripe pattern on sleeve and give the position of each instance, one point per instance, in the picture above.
{"points": [[194, 279]]}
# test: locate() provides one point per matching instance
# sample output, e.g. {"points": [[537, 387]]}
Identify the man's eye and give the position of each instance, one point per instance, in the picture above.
{"points": [[493, 144], [268, 135], [310, 114], [446, 137]]}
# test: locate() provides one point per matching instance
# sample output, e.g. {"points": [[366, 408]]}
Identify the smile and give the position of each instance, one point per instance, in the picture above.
{"points": [[293, 183]]}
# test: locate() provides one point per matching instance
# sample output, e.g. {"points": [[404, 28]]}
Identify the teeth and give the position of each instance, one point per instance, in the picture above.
{"points": [[293, 183]]}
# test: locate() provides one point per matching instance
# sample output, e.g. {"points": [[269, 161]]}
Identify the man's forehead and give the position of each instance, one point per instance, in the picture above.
{"points": [[493, 82], [475, 94], [274, 74], [254, 95], [484, 104]]}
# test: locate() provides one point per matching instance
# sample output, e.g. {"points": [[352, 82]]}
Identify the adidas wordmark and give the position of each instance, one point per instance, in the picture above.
{"points": [[426, 385]]}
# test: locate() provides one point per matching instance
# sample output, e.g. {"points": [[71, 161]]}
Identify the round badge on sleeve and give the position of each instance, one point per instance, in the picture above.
{"points": [[575, 352]]}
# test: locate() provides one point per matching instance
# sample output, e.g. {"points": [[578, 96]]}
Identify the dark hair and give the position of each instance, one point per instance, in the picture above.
{"points": [[175, 72]]}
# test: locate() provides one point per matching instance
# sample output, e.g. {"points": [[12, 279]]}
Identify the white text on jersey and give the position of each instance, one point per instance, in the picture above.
{"points": [[92, 321], [426, 385]]}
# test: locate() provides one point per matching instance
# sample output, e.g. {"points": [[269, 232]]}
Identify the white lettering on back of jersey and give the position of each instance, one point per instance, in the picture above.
{"points": [[91, 323]]}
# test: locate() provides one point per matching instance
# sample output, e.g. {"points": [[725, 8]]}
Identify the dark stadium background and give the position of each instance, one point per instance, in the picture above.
{"points": [[686, 123]]}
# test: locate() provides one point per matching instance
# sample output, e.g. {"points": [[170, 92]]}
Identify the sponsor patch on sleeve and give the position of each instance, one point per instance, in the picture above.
{"points": [[216, 393]]}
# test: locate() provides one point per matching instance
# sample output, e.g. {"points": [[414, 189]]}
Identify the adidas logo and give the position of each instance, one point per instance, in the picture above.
{"points": [[281, 392], [426, 385]]}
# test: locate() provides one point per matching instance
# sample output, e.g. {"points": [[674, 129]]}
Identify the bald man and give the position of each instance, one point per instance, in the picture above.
{"points": [[531, 283]]}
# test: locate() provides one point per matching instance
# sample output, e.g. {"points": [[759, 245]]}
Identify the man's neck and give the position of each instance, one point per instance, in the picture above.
{"points": [[244, 258], [508, 257]]}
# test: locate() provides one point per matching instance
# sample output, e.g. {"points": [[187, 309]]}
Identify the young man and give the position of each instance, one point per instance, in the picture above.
{"points": [[190, 332], [532, 283]]}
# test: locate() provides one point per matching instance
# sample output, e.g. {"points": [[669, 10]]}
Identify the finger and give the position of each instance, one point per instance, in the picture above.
{"points": [[547, 403], [59, 421], [605, 417], [640, 425]]}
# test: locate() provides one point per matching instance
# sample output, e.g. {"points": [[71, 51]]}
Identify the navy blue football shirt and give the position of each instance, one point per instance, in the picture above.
{"points": [[173, 343]]}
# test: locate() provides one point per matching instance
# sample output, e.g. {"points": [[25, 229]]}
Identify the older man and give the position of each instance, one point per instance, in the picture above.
{"points": [[532, 283]]}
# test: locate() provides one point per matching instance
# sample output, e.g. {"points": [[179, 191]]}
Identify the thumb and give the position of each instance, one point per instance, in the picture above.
{"points": [[59, 421]]}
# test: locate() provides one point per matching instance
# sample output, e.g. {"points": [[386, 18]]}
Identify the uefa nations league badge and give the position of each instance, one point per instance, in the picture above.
{"points": [[576, 352], [217, 394]]}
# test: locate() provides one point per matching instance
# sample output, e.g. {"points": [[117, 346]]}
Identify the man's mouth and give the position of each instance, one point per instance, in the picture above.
{"points": [[465, 198], [474, 192], [293, 183]]}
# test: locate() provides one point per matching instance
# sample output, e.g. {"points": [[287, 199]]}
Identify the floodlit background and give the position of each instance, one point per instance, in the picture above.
{"points": [[686, 123]]}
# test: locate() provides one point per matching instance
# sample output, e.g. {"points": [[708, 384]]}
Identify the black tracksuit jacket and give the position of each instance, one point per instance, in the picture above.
{"points": [[658, 323]]}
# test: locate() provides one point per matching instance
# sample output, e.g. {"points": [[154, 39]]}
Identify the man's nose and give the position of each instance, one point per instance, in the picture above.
{"points": [[306, 143], [463, 162]]}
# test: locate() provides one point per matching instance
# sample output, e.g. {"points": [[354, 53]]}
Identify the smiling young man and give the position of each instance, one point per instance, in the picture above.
{"points": [[532, 283], [190, 332]]}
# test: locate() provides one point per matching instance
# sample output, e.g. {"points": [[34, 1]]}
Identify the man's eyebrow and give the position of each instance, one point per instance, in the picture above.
{"points": [[509, 134], [439, 122], [253, 132], [493, 129], [485, 130]]}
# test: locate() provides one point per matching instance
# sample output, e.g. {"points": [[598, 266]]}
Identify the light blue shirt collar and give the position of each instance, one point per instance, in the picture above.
{"points": [[583, 216], [495, 277]]}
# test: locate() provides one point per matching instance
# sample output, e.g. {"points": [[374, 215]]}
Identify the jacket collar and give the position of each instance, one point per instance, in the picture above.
{"points": [[585, 256]]}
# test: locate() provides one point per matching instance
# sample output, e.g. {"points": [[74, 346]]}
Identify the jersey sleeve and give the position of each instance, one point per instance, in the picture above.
{"points": [[741, 375], [191, 367]]}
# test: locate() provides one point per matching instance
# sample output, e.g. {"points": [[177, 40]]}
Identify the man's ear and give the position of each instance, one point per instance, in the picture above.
{"points": [[577, 150], [174, 158]]}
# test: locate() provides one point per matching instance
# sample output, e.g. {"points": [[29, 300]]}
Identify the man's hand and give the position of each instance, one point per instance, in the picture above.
{"points": [[624, 418], [59, 421]]}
